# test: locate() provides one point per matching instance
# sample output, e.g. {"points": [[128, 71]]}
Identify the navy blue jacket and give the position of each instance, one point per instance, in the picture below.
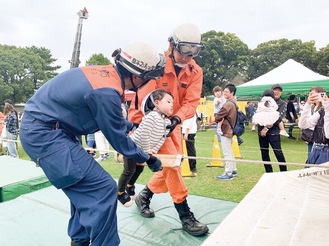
{"points": [[84, 100]]}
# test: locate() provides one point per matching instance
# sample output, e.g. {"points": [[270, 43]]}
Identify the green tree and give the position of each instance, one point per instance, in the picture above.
{"points": [[224, 59], [98, 59], [44, 71], [272, 54], [23, 70], [323, 61]]}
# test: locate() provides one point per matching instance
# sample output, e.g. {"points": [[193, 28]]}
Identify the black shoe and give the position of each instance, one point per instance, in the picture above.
{"points": [[194, 227], [190, 224], [291, 137], [125, 200], [143, 201], [131, 192], [240, 142]]}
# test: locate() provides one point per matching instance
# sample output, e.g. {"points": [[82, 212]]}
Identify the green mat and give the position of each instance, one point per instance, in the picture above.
{"points": [[41, 217], [32, 213], [19, 177], [165, 228]]}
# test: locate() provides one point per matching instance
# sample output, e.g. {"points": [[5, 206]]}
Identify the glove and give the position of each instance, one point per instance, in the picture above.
{"points": [[134, 126], [175, 120], [154, 163]]}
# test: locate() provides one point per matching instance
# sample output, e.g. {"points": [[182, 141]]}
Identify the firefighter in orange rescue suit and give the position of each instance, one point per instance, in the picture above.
{"points": [[183, 78]]}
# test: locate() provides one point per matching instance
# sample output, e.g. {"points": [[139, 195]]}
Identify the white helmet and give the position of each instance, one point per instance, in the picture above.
{"points": [[147, 104], [186, 38], [186, 32], [141, 59]]}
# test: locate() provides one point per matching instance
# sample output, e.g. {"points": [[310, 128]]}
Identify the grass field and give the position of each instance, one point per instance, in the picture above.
{"points": [[205, 183]]}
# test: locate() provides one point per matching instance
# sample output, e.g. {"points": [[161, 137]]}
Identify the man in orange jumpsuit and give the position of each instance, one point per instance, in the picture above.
{"points": [[183, 78]]}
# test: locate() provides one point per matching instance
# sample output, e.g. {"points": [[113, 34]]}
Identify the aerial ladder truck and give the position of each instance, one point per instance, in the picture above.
{"points": [[75, 60]]}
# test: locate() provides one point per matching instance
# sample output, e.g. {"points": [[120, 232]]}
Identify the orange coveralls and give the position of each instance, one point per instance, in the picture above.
{"points": [[186, 89]]}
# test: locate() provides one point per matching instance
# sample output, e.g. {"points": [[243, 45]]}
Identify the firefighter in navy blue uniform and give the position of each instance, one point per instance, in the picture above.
{"points": [[78, 102]]}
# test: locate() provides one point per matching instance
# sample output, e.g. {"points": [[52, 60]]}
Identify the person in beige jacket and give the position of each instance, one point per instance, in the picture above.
{"points": [[227, 116]]}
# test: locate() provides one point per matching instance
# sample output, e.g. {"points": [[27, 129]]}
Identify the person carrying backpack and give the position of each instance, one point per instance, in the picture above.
{"points": [[239, 127], [228, 115]]}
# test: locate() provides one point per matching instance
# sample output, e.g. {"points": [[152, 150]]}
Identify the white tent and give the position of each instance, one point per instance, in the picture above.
{"points": [[290, 71], [291, 75]]}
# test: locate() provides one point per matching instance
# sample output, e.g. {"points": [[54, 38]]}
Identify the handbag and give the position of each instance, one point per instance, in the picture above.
{"points": [[307, 135]]}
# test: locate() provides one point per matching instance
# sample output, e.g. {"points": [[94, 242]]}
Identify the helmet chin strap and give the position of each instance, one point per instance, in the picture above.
{"points": [[173, 58], [134, 88]]}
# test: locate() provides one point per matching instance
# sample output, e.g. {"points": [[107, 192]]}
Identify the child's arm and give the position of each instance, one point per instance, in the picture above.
{"points": [[187, 130], [187, 125], [216, 101]]}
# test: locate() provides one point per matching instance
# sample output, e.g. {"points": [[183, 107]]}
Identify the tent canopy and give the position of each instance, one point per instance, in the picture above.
{"points": [[291, 75]]}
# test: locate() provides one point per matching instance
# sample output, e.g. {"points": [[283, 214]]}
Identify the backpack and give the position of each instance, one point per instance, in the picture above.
{"points": [[239, 127]]}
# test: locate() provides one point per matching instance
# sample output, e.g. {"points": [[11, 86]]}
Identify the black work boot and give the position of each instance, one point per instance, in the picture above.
{"points": [[80, 243], [189, 222], [143, 201]]}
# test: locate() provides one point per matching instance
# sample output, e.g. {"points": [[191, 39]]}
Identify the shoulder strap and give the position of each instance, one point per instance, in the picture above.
{"points": [[229, 123], [233, 101], [236, 107]]}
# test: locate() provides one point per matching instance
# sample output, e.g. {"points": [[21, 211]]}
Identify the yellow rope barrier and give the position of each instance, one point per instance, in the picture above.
{"points": [[240, 160], [323, 165]]}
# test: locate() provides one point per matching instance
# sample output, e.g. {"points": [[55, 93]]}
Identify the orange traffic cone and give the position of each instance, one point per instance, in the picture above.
{"points": [[235, 148], [215, 154], [185, 167], [210, 120]]}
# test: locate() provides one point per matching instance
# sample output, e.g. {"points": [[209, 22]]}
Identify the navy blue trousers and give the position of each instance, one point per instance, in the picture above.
{"points": [[91, 190]]}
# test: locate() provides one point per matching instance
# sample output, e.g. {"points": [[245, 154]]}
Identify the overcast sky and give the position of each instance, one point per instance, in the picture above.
{"points": [[112, 24]]}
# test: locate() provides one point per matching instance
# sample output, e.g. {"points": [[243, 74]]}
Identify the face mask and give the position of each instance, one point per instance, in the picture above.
{"points": [[180, 65]]}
